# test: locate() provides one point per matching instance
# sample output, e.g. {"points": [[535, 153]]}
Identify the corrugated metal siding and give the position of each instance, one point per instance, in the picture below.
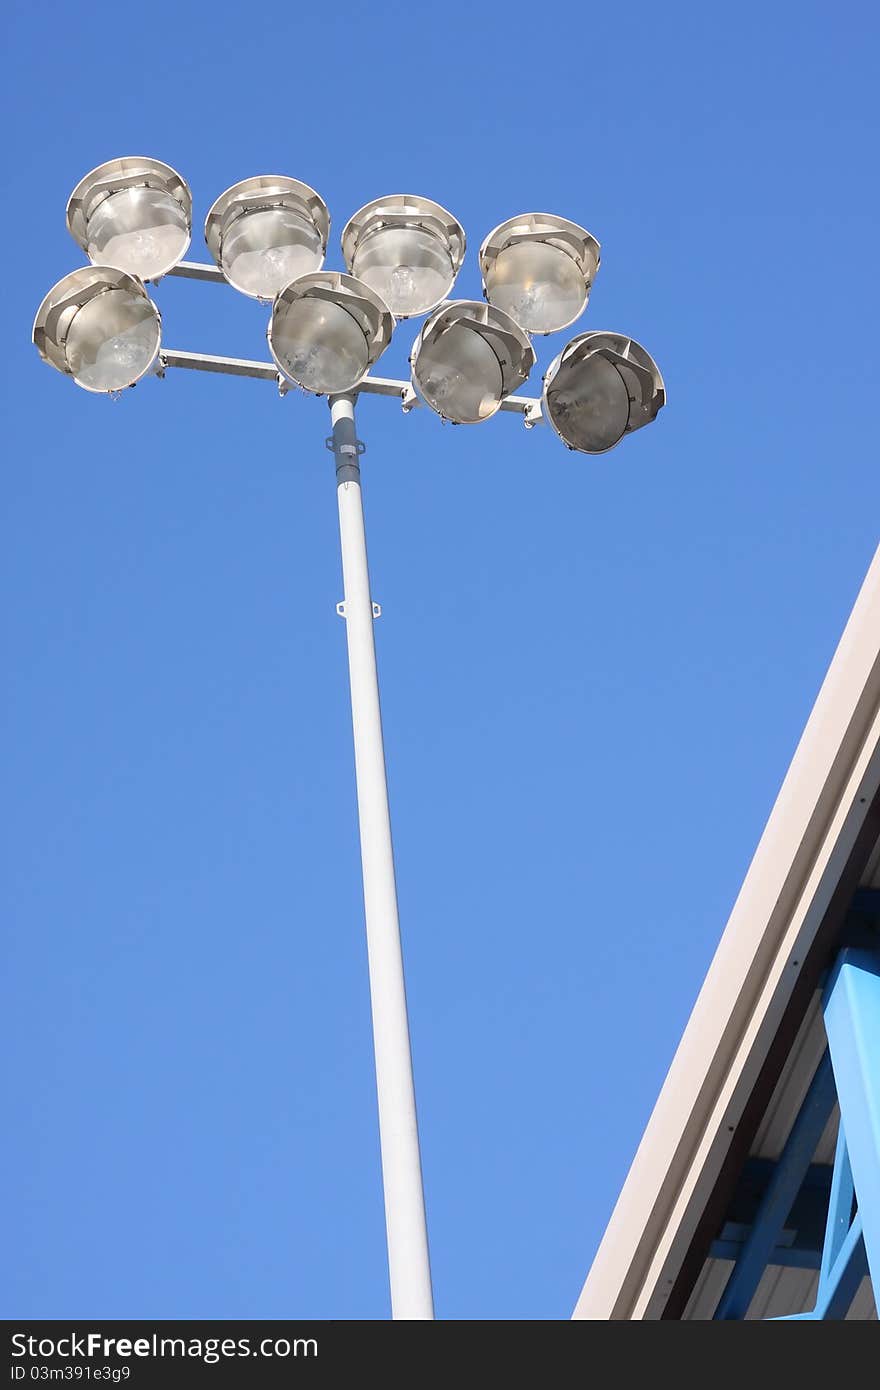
{"points": [[828, 1143], [793, 1084], [780, 1293], [707, 1290], [863, 1307], [783, 1291]]}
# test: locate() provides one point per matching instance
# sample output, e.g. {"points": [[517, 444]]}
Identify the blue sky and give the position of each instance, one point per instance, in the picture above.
{"points": [[594, 671]]}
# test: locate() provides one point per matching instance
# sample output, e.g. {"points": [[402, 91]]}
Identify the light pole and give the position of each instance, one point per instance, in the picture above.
{"points": [[327, 329], [406, 1229]]}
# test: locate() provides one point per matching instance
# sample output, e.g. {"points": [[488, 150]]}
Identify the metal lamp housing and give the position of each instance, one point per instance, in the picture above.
{"points": [[327, 330], [266, 231], [539, 268], [406, 248], [134, 214], [599, 388], [99, 326], [467, 358]]}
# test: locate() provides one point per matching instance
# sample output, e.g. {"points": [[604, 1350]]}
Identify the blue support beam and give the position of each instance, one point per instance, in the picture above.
{"points": [[852, 1230], [839, 1284], [840, 1208], [778, 1199], [852, 1022], [773, 1218], [786, 1256], [801, 1240], [839, 1288]]}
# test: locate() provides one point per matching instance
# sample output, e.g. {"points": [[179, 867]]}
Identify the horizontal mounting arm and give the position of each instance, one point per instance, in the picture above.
{"points": [[527, 406], [229, 366], [196, 270]]}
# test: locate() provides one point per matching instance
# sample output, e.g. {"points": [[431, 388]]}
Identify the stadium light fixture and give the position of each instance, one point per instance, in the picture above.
{"points": [[408, 249], [99, 326], [467, 358], [539, 268], [599, 388], [268, 238], [134, 214], [327, 330], [266, 231]]}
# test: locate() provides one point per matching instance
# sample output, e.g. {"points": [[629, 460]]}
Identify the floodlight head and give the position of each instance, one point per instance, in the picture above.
{"points": [[408, 249], [539, 268], [98, 326], [327, 330], [601, 387], [266, 231], [134, 214], [467, 358]]}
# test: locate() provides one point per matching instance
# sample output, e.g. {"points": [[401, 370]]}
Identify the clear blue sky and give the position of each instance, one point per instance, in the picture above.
{"points": [[594, 672]]}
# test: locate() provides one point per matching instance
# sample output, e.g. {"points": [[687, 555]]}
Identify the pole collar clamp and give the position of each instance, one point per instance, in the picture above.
{"points": [[376, 607], [356, 449]]}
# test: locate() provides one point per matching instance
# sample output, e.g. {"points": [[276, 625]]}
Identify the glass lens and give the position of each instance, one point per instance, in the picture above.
{"points": [[459, 376], [407, 267], [112, 340], [589, 405], [140, 230], [319, 345], [263, 251], [539, 286]]}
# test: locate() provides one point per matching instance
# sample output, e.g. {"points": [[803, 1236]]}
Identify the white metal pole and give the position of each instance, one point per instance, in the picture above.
{"points": [[408, 1260]]}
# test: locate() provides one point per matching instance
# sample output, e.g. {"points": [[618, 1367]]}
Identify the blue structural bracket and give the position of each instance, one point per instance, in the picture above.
{"points": [[851, 1248], [838, 1284], [779, 1196], [852, 1023], [838, 1287], [844, 1264], [801, 1239], [840, 1208], [850, 1068]]}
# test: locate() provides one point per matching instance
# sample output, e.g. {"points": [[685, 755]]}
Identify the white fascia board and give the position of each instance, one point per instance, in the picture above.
{"points": [[822, 805]]}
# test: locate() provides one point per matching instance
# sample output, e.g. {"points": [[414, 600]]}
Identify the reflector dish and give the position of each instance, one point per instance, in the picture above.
{"points": [[98, 326], [539, 269], [266, 231], [599, 388], [467, 358], [327, 330], [134, 214], [406, 248]]}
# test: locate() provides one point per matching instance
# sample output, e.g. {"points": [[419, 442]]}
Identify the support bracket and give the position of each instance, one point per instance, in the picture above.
{"points": [[349, 450], [527, 406], [850, 1250], [377, 609]]}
